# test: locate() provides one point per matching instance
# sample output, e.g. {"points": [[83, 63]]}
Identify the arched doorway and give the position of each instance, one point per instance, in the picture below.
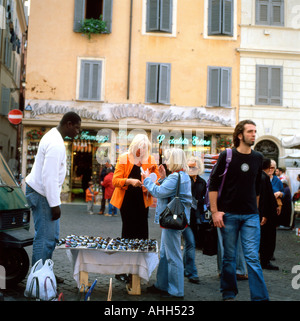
{"points": [[268, 148]]}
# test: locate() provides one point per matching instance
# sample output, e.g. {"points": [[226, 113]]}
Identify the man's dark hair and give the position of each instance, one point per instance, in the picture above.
{"points": [[266, 163], [239, 129], [70, 116]]}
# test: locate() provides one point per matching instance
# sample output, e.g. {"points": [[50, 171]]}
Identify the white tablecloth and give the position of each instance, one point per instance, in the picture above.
{"points": [[94, 261]]}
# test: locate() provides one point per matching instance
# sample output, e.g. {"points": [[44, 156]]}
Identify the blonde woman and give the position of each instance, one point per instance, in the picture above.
{"points": [[170, 272], [129, 196]]}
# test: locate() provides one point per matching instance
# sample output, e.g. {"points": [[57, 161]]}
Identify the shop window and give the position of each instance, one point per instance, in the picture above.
{"points": [[158, 83], [90, 80], [219, 87], [159, 16], [270, 12], [220, 17], [268, 85], [87, 9]]}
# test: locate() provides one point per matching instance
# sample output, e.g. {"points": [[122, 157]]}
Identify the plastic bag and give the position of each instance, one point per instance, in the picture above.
{"points": [[41, 282]]}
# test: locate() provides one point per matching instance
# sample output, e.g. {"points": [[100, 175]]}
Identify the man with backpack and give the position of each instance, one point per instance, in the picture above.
{"points": [[235, 211]]}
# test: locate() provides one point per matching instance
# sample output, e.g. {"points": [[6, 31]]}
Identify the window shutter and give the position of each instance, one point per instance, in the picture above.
{"points": [[225, 94], [262, 12], [227, 24], [213, 86], [152, 15], [277, 12], [214, 17], [276, 86], [166, 9], [5, 97], [79, 14], [151, 83], [107, 13], [164, 83], [90, 80], [262, 87]]}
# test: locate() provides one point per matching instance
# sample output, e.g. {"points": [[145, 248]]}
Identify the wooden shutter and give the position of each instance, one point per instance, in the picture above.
{"points": [[90, 80], [277, 12], [166, 9], [152, 23], [152, 82], [225, 93], [164, 83], [214, 17], [214, 74], [276, 85], [227, 24], [107, 13], [5, 98], [79, 14], [262, 85], [262, 12]]}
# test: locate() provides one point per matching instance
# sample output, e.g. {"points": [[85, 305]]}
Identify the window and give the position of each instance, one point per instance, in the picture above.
{"points": [[159, 16], [269, 12], [220, 17], [268, 85], [219, 86], [86, 9], [90, 80], [5, 99], [158, 83]]}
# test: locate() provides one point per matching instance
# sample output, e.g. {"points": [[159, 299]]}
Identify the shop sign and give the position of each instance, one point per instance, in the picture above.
{"points": [[196, 141]]}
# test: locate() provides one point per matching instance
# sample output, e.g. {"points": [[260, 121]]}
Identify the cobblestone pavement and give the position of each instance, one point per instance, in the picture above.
{"points": [[75, 220]]}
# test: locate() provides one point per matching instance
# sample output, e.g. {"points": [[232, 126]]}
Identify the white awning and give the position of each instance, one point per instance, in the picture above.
{"points": [[292, 156], [291, 142]]}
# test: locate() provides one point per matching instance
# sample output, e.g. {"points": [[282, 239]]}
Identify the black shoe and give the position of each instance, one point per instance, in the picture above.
{"points": [[270, 266], [154, 289], [195, 280], [168, 296], [59, 280]]}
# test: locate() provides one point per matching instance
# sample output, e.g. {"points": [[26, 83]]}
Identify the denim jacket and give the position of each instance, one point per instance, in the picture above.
{"points": [[167, 189]]}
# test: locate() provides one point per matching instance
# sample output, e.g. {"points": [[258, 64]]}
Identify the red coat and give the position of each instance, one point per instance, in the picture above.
{"points": [[107, 183]]}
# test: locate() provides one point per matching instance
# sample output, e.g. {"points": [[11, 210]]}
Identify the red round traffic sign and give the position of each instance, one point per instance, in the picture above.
{"points": [[15, 116]]}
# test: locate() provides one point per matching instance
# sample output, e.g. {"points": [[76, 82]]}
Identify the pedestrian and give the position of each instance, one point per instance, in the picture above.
{"points": [[170, 271], [276, 185], [109, 189], [106, 166], [90, 197], [129, 196], [236, 212], [44, 183], [285, 218], [268, 209]]}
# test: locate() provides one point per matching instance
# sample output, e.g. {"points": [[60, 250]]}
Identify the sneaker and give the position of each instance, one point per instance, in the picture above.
{"points": [[106, 214], [90, 212]]}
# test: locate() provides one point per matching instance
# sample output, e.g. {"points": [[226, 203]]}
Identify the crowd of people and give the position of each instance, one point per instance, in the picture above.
{"points": [[253, 203]]}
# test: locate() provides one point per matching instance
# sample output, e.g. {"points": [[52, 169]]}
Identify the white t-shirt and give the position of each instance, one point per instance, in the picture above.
{"points": [[49, 169]]}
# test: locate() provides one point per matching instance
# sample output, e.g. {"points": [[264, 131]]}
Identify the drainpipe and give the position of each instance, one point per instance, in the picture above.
{"points": [[129, 51]]}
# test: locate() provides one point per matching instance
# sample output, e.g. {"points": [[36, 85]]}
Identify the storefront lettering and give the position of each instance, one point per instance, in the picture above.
{"points": [[184, 141]]}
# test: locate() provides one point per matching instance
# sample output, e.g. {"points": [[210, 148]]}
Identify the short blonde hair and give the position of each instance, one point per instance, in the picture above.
{"points": [[176, 160], [138, 142], [199, 163]]}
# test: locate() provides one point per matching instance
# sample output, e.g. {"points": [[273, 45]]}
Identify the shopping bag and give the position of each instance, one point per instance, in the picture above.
{"points": [[41, 282]]}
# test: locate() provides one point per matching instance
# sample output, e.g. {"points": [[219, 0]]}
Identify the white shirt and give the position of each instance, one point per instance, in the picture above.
{"points": [[49, 169]]}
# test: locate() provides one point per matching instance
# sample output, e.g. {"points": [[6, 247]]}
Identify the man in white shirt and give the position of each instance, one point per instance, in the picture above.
{"points": [[44, 183]]}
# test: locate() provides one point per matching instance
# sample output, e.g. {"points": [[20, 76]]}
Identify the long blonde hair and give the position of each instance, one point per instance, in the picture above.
{"points": [[139, 142], [176, 159]]}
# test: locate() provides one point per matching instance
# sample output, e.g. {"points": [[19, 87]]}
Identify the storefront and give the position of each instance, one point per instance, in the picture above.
{"points": [[107, 134]]}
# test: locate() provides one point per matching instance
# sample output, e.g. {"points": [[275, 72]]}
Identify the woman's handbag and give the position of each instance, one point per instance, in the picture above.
{"points": [[173, 217]]}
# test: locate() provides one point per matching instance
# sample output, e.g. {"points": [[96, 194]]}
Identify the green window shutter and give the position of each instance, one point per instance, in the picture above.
{"points": [[227, 24], [90, 80], [214, 17], [213, 95], [107, 14], [277, 9], [152, 23], [225, 93], [5, 98], [166, 9], [164, 83], [152, 82], [262, 87], [79, 14], [276, 85]]}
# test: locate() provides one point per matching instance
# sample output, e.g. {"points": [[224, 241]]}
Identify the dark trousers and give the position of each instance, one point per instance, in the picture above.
{"points": [[103, 200], [267, 242]]}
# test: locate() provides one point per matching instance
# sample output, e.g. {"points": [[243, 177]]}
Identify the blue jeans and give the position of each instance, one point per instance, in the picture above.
{"points": [[190, 269], [111, 209], [169, 277], [248, 226], [46, 231]]}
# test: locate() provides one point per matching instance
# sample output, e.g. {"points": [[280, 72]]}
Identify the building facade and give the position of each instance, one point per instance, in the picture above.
{"points": [[13, 28], [270, 72], [168, 68]]}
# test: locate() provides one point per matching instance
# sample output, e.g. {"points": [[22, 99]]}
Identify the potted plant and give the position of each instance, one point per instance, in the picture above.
{"points": [[93, 26]]}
